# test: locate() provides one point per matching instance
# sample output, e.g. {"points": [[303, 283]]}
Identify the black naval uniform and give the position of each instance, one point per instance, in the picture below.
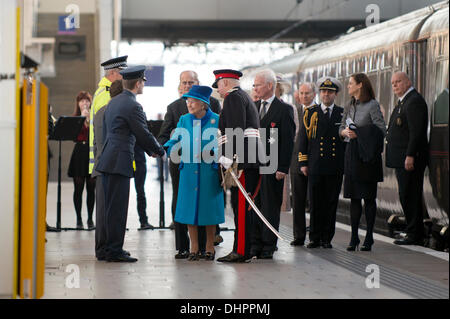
{"points": [[407, 136], [279, 127], [322, 151], [239, 111], [174, 111], [124, 122]]}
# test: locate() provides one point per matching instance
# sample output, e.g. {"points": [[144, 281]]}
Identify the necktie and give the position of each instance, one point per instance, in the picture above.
{"points": [[263, 109], [327, 112]]}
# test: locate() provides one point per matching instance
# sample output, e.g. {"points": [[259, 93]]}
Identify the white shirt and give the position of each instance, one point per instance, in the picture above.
{"points": [[324, 108], [269, 102], [406, 93]]}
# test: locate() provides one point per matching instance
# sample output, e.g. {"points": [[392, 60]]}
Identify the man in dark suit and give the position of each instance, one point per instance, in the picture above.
{"points": [[278, 128], [124, 123], [299, 182], [321, 158], [174, 111], [407, 152]]}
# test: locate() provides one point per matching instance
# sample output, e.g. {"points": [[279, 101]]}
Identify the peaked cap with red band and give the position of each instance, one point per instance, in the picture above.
{"points": [[226, 73]]}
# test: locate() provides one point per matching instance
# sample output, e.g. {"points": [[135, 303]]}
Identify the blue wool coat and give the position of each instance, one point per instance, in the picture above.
{"points": [[200, 196]]}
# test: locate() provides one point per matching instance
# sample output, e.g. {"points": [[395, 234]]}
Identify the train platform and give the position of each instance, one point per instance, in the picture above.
{"points": [[388, 272]]}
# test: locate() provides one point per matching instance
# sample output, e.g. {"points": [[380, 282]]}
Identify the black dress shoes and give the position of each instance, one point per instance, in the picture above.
{"points": [[233, 258], [297, 242], [408, 241], [327, 245], [182, 254], [121, 259], [145, 226], [217, 240], [90, 224], [172, 226], [313, 244], [266, 255]]}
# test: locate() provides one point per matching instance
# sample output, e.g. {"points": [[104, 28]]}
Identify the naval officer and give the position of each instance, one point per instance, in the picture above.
{"points": [[124, 123]]}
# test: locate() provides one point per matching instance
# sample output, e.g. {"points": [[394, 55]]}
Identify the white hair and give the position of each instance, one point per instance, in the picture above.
{"points": [[269, 77], [308, 84]]}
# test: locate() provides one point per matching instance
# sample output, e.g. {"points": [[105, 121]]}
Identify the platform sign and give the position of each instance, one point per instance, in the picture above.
{"points": [[66, 25], [155, 76]]}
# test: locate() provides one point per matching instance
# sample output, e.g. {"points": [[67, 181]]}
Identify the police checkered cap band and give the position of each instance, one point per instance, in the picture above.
{"points": [[116, 65]]}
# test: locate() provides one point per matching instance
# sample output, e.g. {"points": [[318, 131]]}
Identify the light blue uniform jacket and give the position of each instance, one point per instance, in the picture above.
{"points": [[200, 196]]}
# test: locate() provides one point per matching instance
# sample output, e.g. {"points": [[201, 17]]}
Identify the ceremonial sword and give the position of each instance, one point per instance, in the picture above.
{"points": [[249, 200]]}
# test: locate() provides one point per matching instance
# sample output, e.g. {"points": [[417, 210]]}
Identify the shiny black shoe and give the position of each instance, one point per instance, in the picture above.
{"points": [[313, 244], [145, 226], [234, 258], [405, 241], [201, 254], [90, 224], [266, 255], [172, 226], [80, 225], [126, 252], [193, 256], [327, 245], [353, 247], [182, 254], [121, 259], [210, 255], [366, 247], [297, 242]]}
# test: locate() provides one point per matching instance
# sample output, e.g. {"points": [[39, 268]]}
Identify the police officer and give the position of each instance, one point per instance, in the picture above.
{"points": [[321, 158], [238, 112], [124, 123], [407, 152], [102, 96]]}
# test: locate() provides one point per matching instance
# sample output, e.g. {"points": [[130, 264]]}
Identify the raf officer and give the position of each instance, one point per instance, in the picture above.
{"points": [[321, 158], [124, 123], [407, 152]]}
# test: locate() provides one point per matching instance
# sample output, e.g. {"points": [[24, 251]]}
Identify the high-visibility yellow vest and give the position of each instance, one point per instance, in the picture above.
{"points": [[101, 98]]}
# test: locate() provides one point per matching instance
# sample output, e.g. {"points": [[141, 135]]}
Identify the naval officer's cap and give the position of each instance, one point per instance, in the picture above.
{"points": [[225, 73], [115, 63], [135, 72], [329, 83]]}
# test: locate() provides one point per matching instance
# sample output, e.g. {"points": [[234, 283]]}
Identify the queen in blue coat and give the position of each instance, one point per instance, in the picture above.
{"points": [[194, 145]]}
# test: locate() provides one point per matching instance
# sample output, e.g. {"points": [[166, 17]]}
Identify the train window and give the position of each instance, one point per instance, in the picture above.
{"points": [[384, 94], [441, 104]]}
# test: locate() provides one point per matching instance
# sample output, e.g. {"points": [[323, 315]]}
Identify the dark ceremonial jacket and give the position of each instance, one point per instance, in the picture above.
{"points": [[280, 117], [174, 111], [407, 132], [239, 111], [124, 123], [323, 151], [295, 167]]}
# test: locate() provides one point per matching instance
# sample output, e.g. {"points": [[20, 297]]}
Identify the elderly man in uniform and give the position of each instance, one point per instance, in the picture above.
{"points": [[124, 124], [299, 182], [407, 152], [239, 112], [102, 96], [321, 158], [174, 111], [277, 119]]}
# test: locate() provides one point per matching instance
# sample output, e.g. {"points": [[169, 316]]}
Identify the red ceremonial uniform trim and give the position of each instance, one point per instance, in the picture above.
{"points": [[241, 219], [227, 75]]}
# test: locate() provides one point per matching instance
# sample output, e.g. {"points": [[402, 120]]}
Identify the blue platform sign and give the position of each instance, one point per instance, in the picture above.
{"points": [[155, 76], [66, 25]]}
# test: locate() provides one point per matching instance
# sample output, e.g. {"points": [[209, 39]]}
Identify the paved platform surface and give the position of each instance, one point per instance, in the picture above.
{"points": [[295, 272]]}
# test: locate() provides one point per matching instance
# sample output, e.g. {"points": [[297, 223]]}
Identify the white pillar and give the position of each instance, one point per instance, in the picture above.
{"points": [[7, 144]]}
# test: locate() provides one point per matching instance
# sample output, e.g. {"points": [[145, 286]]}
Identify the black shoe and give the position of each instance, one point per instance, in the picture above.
{"points": [[121, 259], [90, 224], [313, 244], [210, 255], [145, 226], [172, 226], [50, 228], [80, 224], [352, 247], [217, 240], [182, 254], [297, 242], [201, 254], [366, 247], [327, 245], [193, 256], [406, 241], [266, 255], [126, 252], [100, 258], [233, 258]]}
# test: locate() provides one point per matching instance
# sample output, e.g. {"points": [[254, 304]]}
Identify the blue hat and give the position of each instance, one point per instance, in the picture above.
{"points": [[199, 92], [135, 72], [115, 63]]}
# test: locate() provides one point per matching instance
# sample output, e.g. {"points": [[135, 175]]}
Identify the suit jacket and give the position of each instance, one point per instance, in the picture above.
{"points": [[124, 122], [281, 117], [295, 167], [407, 132], [323, 151], [174, 111]]}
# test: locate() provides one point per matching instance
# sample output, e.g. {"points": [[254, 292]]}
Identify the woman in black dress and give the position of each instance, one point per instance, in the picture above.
{"points": [[364, 128], [79, 163]]}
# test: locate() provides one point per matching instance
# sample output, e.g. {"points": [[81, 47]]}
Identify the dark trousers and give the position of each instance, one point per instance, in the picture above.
{"points": [[269, 203], [100, 218], [410, 188], [299, 188], [370, 210], [78, 183], [243, 218], [139, 182], [324, 196], [117, 192], [181, 230]]}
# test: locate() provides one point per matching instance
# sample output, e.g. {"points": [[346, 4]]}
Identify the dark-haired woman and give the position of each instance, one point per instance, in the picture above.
{"points": [[79, 163], [364, 128]]}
